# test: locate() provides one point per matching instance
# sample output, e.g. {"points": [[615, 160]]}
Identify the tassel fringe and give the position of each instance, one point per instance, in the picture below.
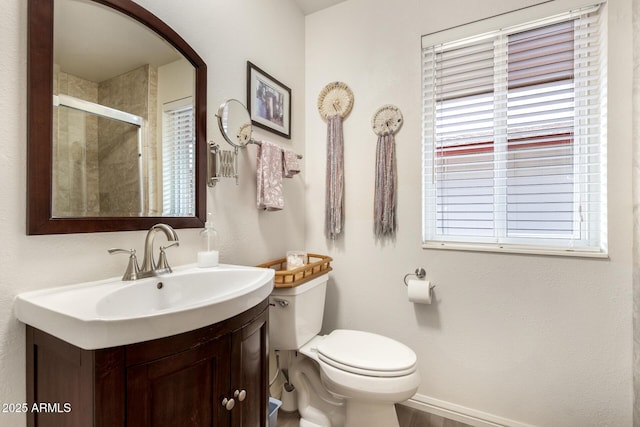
{"points": [[334, 202], [384, 209]]}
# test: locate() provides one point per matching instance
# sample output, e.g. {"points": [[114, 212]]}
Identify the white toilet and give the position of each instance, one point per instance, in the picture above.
{"points": [[346, 378]]}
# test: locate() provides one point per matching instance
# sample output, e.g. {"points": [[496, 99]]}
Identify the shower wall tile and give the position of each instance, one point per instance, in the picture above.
{"points": [[134, 92], [152, 148]]}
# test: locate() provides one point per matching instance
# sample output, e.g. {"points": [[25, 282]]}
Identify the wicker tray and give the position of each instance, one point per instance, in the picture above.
{"points": [[318, 264]]}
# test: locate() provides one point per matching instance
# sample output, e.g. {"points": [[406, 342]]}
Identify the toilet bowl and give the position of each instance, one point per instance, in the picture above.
{"points": [[345, 378]]}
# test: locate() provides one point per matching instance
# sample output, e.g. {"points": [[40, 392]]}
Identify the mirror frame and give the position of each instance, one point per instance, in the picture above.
{"points": [[40, 126]]}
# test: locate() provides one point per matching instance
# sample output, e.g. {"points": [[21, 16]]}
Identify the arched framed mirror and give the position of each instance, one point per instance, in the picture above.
{"points": [[108, 119]]}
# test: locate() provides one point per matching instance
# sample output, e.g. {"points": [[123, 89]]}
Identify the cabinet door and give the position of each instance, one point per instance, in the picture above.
{"points": [[184, 389], [91, 382], [250, 372]]}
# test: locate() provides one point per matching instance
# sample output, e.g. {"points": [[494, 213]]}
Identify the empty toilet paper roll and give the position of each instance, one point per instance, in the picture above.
{"points": [[419, 291]]}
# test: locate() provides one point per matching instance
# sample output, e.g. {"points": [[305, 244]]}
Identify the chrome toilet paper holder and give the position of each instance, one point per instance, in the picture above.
{"points": [[420, 273]]}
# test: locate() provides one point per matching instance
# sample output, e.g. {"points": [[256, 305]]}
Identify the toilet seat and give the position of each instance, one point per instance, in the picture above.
{"points": [[367, 354]]}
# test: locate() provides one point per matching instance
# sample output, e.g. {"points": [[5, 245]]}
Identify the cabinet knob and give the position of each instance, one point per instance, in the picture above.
{"points": [[228, 403], [240, 395]]}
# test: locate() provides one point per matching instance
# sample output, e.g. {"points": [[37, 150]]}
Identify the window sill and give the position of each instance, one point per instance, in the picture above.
{"points": [[516, 249]]}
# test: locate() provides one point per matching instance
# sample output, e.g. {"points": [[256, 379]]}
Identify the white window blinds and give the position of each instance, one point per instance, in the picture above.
{"points": [[514, 138], [178, 159]]}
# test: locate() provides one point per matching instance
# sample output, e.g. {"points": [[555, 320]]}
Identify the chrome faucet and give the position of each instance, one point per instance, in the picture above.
{"points": [[149, 266]]}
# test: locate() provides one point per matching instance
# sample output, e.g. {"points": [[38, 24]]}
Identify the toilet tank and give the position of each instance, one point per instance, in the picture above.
{"points": [[296, 313]]}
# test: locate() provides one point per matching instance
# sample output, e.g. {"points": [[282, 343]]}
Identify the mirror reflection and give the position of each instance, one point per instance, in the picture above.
{"points": [[235, 123], [123, 118]]}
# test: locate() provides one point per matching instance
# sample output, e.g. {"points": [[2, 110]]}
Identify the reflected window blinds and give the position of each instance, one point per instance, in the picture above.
{"points": [[178, 159]]}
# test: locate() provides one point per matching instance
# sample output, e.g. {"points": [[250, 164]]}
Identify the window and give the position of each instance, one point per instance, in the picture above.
{"points": [[178, 159], [514, 138]]}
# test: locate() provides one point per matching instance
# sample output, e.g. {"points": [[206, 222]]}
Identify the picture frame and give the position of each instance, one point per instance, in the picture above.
{"points": [[268, 101]]}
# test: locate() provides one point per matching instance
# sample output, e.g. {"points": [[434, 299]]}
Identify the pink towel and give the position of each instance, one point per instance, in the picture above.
{"points": [[290, 165], [269, 177]]}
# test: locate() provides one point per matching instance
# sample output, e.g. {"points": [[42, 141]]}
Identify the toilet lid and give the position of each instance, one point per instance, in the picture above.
{"points": [[365, 353]]}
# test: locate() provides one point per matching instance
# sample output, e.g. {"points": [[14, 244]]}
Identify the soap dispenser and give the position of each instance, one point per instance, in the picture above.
{"points": [[208, 253]]}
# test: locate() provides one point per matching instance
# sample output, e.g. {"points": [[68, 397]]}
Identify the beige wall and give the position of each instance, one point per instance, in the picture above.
{"points": [[226, 35], [512, 339]]}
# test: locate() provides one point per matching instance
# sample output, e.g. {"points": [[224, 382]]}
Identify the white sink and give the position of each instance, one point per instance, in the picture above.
{"points": [[111, 312]]}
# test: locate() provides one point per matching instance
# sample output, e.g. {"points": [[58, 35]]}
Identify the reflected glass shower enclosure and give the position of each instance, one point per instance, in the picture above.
{"points": [[97, 160]]}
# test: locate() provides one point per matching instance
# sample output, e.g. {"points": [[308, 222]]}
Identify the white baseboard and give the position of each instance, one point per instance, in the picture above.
{"points": [[459, 413]]}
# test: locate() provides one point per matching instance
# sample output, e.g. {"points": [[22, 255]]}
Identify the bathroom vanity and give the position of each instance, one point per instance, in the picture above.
{"points": [[213, 376], [187, 348]]}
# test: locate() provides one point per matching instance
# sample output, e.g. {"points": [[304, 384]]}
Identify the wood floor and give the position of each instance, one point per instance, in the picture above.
{"points": [[288, 419], [407, 417]]}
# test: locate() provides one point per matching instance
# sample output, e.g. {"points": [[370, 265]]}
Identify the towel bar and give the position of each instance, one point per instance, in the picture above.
{"points": [[253, 141]]}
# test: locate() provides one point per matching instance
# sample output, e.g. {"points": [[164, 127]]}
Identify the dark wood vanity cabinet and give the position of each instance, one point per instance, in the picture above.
{"points": [[182, 380]]}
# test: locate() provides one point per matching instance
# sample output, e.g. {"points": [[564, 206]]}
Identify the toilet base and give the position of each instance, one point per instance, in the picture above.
{"points": [[317, 407], [371, 415]]}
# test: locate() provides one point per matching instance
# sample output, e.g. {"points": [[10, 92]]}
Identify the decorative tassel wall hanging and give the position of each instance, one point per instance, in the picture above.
{"points": [[385, 122], [334, 197], [334, 104]]}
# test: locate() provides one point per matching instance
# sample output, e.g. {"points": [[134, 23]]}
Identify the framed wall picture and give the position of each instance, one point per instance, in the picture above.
{"points": [[268, 101]]}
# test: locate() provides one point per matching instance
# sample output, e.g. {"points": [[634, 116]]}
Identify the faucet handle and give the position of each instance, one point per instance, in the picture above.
{"points": [[131, 273], [163, 264]]}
